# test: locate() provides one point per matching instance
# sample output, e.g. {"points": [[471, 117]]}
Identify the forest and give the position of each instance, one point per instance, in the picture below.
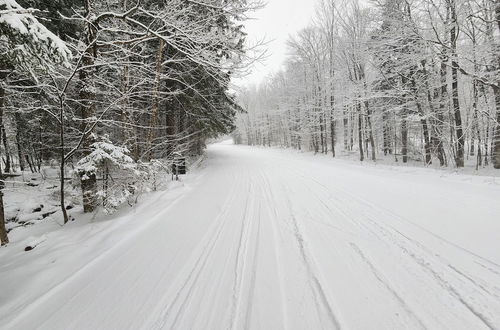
{"points": [[249, 164], [111, 92], [415, 80]]}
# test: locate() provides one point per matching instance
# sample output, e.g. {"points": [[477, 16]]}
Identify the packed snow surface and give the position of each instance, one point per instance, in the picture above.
{"points": [[269, 239]]}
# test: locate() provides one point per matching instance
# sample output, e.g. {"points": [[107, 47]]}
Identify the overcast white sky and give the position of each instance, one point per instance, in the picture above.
{"points": [[275, 22]]}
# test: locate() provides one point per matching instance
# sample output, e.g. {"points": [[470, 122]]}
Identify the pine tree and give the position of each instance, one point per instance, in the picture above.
{"points": [[25, 44]]}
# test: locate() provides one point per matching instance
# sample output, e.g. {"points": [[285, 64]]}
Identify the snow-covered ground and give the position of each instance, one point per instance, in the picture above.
{"points": [[269, 239]]}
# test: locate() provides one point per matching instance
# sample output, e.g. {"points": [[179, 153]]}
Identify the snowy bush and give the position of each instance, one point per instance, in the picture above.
{"points": [[120, 179], [119, 173]]}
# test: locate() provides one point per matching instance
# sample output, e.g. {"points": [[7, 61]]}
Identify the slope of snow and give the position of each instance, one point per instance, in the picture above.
{"points": [[266, 239]]}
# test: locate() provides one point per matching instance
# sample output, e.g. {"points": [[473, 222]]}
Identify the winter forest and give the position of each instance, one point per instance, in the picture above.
{"points": [[103, 89], [413, 79], [249, 164]]}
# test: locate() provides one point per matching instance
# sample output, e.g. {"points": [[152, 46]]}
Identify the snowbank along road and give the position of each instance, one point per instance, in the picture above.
{"points": [[269, 239]]}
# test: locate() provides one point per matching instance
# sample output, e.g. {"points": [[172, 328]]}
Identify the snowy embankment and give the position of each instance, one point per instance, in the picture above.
{"points": [[269, 239], [56, 252]]}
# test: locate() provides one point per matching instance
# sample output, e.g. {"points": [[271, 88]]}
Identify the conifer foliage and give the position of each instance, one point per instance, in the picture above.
{"points": [[112, 88]]}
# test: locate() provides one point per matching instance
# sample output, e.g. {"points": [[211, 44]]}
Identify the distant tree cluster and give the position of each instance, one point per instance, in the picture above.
{"points": [[416, 79], [114, 86]]}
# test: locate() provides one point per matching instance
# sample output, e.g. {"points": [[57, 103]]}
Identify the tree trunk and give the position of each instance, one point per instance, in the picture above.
{"points": [[404, 139], [479, 158], [496, 91], [321, 133], [171, 123], [435, 137], [126, 115], [156, 100], [459, 157], [404, 123], [6, 149], [332, 106], [62, 164], [332, 134], [370, 130], [423, 121], [345, 121], [443, 105], [360, 133], [4, 239], [30, 164], [475, 98], [427, 145], [496, 135], [19, 145], [88, 110], [386, 134]]}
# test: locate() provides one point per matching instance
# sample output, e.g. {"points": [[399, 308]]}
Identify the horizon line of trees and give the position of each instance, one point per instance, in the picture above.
{"points": [[416, 79]]}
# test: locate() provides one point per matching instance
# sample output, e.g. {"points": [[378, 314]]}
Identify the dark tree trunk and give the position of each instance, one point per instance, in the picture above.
{"points": [[404, 139], [436, 131], [345, 121], [386, 134], [479, 158], [423, 121], [88, 110], [19, 143], [7, 159], [370, 130], [459, 157], [496, 137], [4, 239], [443, 105], [496, 91], [171, 123], [360, 133], [63, 163], [332, 134], [427, 145], [404, 123], [321, 133], [332, 113], [30, 164]]}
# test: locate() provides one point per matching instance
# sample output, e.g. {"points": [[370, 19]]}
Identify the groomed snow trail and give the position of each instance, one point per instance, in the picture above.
{"points": [[270, 239]]}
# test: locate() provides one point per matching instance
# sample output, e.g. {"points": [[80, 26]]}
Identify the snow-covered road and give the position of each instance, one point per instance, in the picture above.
{"points": [[269, 239]]}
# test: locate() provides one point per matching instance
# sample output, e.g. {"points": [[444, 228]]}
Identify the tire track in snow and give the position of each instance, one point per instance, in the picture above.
{"points": [[315, 284], [376, 228], [393, 215], [190, 281], [398, 217], [273, 214], [488, 268], [241, 256], [251, 292], [424, 262], [479, 285], [385, 283], [423, 257], [333, 210]]}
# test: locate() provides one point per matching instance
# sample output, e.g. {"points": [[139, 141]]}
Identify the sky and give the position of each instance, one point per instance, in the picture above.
{"points": [[275, 23]]}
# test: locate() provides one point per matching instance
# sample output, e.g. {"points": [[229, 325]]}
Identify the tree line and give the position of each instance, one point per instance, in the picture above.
{"points": [[415, 79], [101, 87]]}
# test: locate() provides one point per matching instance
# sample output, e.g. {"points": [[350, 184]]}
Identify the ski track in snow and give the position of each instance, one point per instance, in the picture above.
{"points": [[270, 240], [386, 234]]}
